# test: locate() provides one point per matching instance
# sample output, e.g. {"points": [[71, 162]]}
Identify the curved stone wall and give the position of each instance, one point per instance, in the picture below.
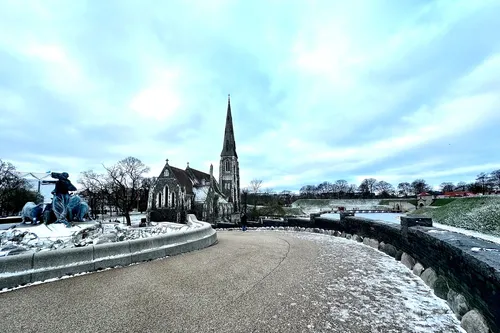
{"points": [[26, 268], [463, 270]]}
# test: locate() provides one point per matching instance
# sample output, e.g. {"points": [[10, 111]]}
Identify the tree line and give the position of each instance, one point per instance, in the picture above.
{"points": [[122, 186], [369, 188]]}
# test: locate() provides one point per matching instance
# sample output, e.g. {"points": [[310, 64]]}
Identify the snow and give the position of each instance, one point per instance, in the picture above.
{"points": [[200, 193], [26, 238], [372, 292]]}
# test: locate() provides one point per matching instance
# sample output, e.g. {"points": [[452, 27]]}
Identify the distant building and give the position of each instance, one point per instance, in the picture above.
{"points": [[178, 192], [456, 194]]}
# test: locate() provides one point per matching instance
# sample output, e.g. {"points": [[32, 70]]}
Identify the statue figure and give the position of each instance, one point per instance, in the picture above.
{"points": [[33, 212], [61, 197], [77, 208]]}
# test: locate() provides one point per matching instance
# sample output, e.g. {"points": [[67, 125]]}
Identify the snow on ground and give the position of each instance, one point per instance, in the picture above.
{"points": [[395, 218], [27, 238], [364, 290]]}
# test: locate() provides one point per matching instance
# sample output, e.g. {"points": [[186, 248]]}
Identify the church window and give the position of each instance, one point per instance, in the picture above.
{"points": [[227, 165], [166, 196]]}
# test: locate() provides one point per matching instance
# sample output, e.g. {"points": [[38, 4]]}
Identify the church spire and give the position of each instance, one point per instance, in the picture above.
{"points": [[229, 145]]}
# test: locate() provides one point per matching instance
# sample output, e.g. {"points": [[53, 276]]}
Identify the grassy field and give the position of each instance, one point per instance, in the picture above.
{"points": [[476, 213], [442, 202]]}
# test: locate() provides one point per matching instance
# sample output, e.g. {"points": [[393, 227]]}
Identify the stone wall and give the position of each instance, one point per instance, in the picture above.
{"points": [[463, 270]]}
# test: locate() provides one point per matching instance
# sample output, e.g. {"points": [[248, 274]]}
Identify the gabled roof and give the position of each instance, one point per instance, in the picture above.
{"points": [[197, 176], [183, 179]]}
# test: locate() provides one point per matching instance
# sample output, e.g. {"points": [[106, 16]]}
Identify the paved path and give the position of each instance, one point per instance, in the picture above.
{"points": [[248, 282]]}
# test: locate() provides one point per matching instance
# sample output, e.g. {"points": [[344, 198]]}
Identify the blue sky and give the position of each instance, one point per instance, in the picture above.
{"points": [[320, 90]]}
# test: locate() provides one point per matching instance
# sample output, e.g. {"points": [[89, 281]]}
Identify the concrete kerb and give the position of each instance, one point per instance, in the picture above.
{"points": [[27, 268]]}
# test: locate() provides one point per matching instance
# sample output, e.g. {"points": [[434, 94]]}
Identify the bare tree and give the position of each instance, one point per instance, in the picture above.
{"points": [[342, 186], [384, 188], [96, 188], [447, 187], [494, 179], [255, 185], [125, 179], [419, 186], [405, 189]]}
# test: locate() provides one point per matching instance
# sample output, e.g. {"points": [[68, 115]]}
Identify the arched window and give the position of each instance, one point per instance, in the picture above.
{"points": [[166, 197], [228, 165], [159, 199], [173, 199]]}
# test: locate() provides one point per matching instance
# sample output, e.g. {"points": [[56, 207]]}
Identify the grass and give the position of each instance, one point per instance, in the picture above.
{"points": [[442, 202], [475, 213]]}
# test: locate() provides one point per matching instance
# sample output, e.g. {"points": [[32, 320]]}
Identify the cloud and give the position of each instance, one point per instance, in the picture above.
{"points": [[320, 90]]}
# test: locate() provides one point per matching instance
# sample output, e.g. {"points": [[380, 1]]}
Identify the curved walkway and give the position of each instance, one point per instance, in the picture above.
{"points": [[248, 282]]}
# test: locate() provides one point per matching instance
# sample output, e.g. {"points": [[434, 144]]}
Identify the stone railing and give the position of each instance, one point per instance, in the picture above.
{"points": [[463, 270], [27, 268]]}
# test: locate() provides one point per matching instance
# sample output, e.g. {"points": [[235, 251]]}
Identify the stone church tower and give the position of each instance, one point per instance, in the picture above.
{"points": [[229, 169]]}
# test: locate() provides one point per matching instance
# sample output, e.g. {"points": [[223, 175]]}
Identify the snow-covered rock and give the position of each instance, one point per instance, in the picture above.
{"points": [[474, 322], [418, 269], [429, 276]]}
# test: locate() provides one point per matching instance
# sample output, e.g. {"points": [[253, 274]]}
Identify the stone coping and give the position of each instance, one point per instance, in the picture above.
{"points": [[22, 269]]}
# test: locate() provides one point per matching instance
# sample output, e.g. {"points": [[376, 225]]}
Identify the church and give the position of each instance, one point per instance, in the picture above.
{"points": [[178, 192]]}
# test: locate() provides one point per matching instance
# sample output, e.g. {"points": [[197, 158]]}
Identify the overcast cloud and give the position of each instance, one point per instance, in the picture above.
{"points": [[320, 90]]}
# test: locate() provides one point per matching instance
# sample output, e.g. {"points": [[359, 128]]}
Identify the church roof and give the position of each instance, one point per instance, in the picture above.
{"points": [[197, 176], [183, 179], [229, 144]]}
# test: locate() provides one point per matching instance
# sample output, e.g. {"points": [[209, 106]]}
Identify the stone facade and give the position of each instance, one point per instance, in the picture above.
{"points": [[178, 192]]}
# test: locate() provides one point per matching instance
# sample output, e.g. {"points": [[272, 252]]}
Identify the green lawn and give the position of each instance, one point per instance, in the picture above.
{"points": [[476, 213], [442, 202]]}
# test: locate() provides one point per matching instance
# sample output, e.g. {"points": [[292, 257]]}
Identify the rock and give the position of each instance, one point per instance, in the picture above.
{"points": [[348, 236], [337, 234], [357, 238], [389, 249], [342, 234], [429, 276], [106, 238], [474, 322], [457, 303], [371, 242], [407, 260], [418, 269], [399, 254], [441, 287]]}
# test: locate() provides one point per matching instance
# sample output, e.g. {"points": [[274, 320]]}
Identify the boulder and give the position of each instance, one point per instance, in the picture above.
{"points": [[429, 276], [441, 288], [407, 260], [388, 249], [457, 303], [474, 322], [357, 238], [418, 269]]}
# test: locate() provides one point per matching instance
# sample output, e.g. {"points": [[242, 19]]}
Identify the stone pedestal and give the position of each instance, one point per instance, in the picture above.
{"points": [[412, 221]]}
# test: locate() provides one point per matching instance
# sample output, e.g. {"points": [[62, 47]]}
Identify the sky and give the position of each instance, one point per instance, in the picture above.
{"points": [[320, 90]]}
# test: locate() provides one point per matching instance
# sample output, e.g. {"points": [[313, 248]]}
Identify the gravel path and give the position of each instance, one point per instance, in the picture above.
{"points": [[248, 282]]}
